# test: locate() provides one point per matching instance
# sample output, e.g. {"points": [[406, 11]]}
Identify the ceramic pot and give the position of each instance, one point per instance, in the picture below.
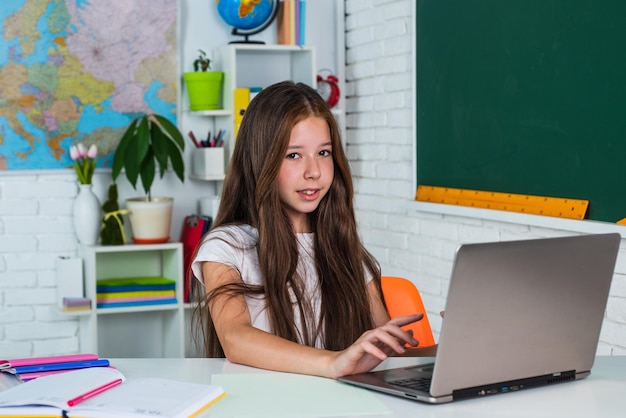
{"points": [[87, 215], [150, 220]]}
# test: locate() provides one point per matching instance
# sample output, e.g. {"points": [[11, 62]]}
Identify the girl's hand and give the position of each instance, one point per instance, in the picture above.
{"points": [[374, 346]]}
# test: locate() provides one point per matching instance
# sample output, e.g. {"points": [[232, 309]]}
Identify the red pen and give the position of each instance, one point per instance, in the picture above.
{"points": [[195, 141], [93, 393]]}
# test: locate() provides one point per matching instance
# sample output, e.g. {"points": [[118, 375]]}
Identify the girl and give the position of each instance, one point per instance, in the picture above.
{"points": [[288, 284]]}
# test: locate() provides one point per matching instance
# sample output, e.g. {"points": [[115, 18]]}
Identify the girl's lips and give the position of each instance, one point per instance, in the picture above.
{"points": [[309, 194]]}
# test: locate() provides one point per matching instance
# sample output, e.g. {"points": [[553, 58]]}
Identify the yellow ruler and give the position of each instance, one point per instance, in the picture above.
{"points": [[536, 205]]}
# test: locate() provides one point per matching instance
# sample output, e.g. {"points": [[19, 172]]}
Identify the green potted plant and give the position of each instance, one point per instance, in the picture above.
{"points": [[151, 142], [204, 87]]}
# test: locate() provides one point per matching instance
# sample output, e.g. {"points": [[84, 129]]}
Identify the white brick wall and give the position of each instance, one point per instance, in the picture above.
{"points": [[35, 228], [380, 116]]}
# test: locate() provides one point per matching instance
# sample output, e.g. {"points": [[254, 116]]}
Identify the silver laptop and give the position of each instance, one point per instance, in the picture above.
{"points": [[519, 314]]}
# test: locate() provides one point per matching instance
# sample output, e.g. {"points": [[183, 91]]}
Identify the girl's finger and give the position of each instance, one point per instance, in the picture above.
{"points": [[403, 336], [407, 319], [394, 338], [371, 349]]}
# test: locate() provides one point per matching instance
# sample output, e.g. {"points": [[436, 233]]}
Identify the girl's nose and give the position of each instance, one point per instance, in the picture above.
{"points": [[312, 170]]}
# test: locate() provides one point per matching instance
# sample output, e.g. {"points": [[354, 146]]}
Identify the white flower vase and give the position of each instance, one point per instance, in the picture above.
{"points": [[87, 215]]}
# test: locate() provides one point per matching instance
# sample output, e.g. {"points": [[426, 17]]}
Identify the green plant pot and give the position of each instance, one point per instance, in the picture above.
{"points": [[204, 89]]}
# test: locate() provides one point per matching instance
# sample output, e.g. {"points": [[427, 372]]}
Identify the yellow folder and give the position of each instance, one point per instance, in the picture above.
{"points": [[241, 101]]}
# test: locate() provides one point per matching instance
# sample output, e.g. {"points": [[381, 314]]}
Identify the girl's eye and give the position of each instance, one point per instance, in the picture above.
{"points": [[292, 156], [325, 153]]}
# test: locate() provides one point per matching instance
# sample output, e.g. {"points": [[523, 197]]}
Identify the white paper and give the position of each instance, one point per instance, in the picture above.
{"points": [[55, 390], [147, 397], [152, 397]]}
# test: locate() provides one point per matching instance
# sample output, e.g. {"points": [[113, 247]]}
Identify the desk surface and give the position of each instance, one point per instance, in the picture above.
{"points": [[602, 394]]}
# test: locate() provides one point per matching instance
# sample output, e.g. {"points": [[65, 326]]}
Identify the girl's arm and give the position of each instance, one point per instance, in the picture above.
{"points": [[244, 344], [381, 316]]}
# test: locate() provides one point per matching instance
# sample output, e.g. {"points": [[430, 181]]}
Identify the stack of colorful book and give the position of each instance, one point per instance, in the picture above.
{"points": [[76, 304], [291, 22], [135, 291], [34, 367]]}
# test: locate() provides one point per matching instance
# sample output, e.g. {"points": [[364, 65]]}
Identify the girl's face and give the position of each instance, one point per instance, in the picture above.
{"points": [[307, 171]]}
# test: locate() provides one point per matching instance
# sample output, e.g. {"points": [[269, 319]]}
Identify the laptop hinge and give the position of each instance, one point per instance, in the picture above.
{"points": [[514, 385]]}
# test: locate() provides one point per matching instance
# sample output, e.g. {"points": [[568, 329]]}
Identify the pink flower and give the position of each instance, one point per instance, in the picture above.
{"points": [[74, 152], [84, 161], [92, 152]]}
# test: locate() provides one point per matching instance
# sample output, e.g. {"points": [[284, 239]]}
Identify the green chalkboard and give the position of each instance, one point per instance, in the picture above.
{"points": [[524, 96]]}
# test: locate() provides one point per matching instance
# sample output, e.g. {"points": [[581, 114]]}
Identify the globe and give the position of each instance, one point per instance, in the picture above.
{"points": [[247, 17]]}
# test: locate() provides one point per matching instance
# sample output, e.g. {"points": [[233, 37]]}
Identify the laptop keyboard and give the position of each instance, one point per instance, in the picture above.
{"points": [[421, 384]]}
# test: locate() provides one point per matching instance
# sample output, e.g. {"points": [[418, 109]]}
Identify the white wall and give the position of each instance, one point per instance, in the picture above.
{"points": [[414, 240]]}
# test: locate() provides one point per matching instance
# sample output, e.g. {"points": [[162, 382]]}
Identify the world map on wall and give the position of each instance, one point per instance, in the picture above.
{"points": [[75, 71]]}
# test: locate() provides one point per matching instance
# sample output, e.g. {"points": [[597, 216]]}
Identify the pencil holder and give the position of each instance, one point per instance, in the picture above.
{"points": [[208, 162], [208, 206]]}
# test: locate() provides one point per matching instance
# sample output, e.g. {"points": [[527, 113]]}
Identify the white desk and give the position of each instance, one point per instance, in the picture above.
{"points": [[602, 394]]}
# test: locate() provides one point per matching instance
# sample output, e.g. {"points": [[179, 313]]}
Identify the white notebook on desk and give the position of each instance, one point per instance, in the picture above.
{"points": [[147, 397]]}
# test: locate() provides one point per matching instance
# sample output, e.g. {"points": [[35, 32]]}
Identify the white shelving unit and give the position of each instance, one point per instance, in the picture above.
{"points": [[254, 65], [261, 65], [143, 331]]}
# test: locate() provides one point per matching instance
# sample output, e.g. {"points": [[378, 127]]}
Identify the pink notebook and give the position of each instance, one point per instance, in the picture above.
{"points": [[34, 361]]}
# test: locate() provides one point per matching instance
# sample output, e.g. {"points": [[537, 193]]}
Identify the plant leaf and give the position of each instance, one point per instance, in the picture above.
{"points": [[120, 151], [159, 146], [130, 166], [172, 131], [143, 138], [135, 155], [147, 171], [177, 161]]}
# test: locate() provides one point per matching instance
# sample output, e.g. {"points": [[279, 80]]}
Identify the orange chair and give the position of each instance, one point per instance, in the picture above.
{"points": [[403, 298]]}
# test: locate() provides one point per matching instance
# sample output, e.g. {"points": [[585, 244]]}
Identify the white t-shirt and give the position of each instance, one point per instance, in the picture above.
{"points": [[242, 256]]}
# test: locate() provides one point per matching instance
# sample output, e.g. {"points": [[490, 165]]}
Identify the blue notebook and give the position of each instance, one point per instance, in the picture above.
{"points": [[138, 303], [61, 366], [133, 288]]}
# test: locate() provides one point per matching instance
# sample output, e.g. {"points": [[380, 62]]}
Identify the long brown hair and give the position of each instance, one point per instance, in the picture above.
{"points": [[250, 196]]}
